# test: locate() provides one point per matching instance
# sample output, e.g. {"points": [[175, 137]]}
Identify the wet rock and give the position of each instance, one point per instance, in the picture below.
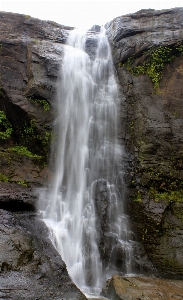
{"points": [[142, 288], [133, 34], [31, 53], [30, 266], [151, 128], [15, 197]]}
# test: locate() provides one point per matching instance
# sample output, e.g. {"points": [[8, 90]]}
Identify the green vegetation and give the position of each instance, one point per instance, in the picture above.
{"points": [[154, 67], [180, 49], [169, 196], [22, 182], [29, 130], [46, 139], [32, 138], [24, 151], [3, 178], [138, 198], [5, 127], [159, 58], [35, 41], [43, 103]]}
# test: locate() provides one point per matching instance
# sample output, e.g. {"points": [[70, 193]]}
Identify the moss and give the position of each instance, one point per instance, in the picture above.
{"points": [[138, 198], [43, 103], [22, 182], [35, 41], [32, 138], [169, 262], [24, 151], [5, 127], [3, 178], [154, 67], [168, 197]]}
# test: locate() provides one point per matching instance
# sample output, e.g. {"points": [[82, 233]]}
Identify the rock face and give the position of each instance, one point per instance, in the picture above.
{"points": [[30, 267], [30, 56], [31, 51], [142, 288], [147, 49]]}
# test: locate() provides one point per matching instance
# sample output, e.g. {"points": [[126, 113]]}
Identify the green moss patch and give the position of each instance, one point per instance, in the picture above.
{"points": [[3, 178], [5, 127], [24, 151], [169, 196], [42, 103], [157, 60]]}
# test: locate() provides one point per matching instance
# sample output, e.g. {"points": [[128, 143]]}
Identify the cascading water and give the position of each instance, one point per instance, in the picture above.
{"points": [[88, 167]]}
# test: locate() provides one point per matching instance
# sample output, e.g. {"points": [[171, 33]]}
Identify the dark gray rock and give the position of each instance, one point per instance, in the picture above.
{"points": [[17, 197], [30, 266], [31, 53], [135, 33], [151, 128]]}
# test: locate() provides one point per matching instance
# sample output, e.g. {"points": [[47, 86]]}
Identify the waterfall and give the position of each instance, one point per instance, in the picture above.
{"points": [[84, 207]]}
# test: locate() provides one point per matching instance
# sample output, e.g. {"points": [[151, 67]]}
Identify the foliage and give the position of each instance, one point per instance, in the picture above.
{"points": [[46, 139], [24, 151], [138, 198], [29, 130], [43, 103], [180, 49], [169, 196], [5, 127], [154, 67], [22, 182], [34, 139], [3, 178]]}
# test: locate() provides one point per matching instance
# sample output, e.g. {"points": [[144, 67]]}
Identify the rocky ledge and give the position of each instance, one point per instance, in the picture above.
{"points": [[142, 288]]}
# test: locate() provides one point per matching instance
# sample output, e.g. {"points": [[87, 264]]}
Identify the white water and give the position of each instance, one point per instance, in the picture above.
{"points": [[86, 151]]}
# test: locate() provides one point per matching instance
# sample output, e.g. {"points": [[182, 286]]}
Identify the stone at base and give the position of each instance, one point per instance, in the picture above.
{"points": [[142, 288]]}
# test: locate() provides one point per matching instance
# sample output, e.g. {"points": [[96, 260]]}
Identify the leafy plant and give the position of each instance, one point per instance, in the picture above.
{"points": [[24, 151], [42, 102], [154, 67], [169, 196], [22, 182], [3, 178], [5, 127], [180, 49]]}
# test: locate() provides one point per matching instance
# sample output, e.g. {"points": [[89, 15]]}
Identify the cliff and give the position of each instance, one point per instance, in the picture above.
{"points": [[31, 52], [30, 55], [147, 49]]}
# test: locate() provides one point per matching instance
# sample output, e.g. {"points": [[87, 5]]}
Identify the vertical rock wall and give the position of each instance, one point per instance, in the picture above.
{"points": [[147, 49]]}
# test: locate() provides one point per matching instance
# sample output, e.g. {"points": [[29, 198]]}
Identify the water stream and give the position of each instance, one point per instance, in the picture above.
{"points": [[87, 192]]}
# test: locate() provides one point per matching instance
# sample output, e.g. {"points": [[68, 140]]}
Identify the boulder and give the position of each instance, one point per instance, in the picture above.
{"points": [[142, 288], [30, 267]]}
